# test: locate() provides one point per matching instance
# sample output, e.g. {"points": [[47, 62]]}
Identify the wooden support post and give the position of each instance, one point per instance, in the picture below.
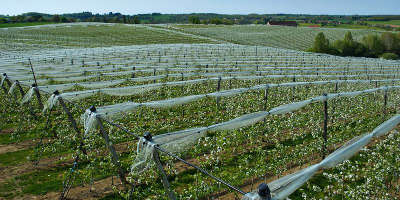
{"points": [[154, 74], [325, 134], [2, 86], [164, 179], [38, 97], [266, 97], [114, 155], [218, 89], [73, 122], [336, 87], [21, 91]]}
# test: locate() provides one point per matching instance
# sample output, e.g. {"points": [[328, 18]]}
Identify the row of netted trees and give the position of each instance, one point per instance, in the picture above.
{"points": [[386, 46]]}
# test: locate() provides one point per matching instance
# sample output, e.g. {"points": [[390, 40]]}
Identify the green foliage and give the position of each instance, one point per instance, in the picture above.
{"points": [[390, 56], [216, 21], [374, 45], [391, 42], [3, 20], [386, 46], [322, 45], [22, 24], [349, 47], [194, 19]]}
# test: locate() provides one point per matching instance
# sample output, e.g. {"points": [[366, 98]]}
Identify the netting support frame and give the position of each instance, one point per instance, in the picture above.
{"points": [[38, 96], [263, 193], [164, 179], [114, 155], [2, 86]]}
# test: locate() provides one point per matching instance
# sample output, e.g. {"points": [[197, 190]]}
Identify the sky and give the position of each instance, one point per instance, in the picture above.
{"points": [[131, 7]]}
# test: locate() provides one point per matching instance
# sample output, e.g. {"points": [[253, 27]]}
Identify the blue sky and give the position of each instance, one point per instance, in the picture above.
{"points": [[348, 7]]}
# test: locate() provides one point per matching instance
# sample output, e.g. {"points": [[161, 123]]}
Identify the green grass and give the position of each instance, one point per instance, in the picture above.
{"points": [[297, 38], [8, 25], [106, 35], [343, 26], [14, 158], [391, 22]]}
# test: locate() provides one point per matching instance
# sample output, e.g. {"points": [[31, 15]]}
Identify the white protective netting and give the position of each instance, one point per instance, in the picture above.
{"points": [[28, 96], [283, 187], [3, 78], [118, 110], [12, 89], [70, 96], [190, 136]]}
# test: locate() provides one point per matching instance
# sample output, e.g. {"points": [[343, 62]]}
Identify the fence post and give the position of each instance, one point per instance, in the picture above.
{"points": [[325, 134]]}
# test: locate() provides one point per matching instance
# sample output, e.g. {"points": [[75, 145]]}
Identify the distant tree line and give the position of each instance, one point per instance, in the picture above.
{"points": [[217, 21], [75, 17], [195, 18], [386, 46]]}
